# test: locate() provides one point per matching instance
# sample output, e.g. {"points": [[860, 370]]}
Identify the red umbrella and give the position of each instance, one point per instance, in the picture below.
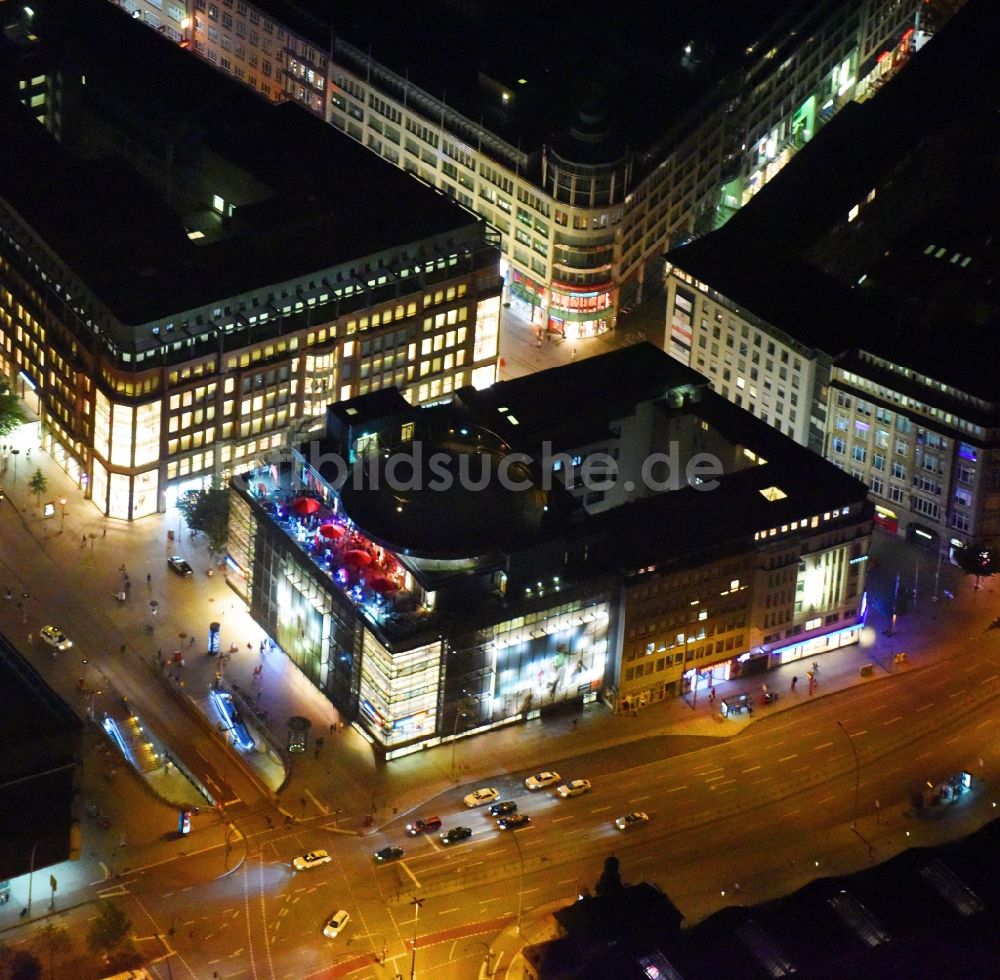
{"points": [[383, 584], [332, 531], [358, 558], [305, 505]]}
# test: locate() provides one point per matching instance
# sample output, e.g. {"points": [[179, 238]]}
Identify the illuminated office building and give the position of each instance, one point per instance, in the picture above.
{"points": [[188, 272], [583, 554], [851, 305], [593, 142]]}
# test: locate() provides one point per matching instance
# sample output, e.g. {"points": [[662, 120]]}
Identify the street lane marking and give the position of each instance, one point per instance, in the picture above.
{"points": [[892, 721], [712, 779], [486, 901], [676, 789], [826, 799], [413, 877], [601, 809], [957, 694], [638, 799], [794, 755], [560, 819], [864, 731], [989, 721], [319, 806], [825, 745], [448, 911], [924, 756], [752, 769], [926, 707]]}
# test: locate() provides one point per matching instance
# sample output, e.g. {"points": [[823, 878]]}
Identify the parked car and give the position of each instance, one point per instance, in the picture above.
{"points": [[502, 809], [335, 924], [481, 797], [55, 637], [313, 859], [456, 834], [542, 779], [576, 787], [632, 821], [177, 564], [514, 822], [423, 825], [388, 854]]}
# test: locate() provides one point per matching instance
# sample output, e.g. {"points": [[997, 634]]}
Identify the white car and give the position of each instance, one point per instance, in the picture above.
{"points": [[481, 797], [55, 637], [576, 787], [335, 924], [311, 860], [632, 821], [542, 779]]}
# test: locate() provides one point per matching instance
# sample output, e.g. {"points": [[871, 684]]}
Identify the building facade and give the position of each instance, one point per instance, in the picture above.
{"points": [[585, 214], [180, 312], [426, 611], [833, 333]]}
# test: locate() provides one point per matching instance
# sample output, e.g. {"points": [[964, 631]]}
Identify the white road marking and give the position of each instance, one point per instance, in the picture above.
{"points": [[892, 721], [794, 755], [676, 789], [319, 806], [752, 769], [825, 745], [561, 819]]}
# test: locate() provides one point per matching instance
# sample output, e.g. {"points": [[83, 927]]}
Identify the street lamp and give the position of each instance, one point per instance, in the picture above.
{"points": [[62, 514], [459, 715], [489, 955], [31, 876], [416, 903], [857, 774], [520, 880]]}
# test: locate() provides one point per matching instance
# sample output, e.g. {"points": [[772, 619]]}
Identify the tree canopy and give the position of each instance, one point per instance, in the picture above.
{"points": [[11, 413], [109, 928], [978, 561], [207, 511]]}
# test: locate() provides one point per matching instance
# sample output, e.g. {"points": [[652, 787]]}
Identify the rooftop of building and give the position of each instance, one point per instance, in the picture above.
{"points": [[40, 736], [894, 280], [925, 913], [444, 536], [553, 62], [126, 233], [574, 404]]}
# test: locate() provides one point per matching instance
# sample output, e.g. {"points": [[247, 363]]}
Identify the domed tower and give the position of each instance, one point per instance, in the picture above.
{"points": [[587, 170]]}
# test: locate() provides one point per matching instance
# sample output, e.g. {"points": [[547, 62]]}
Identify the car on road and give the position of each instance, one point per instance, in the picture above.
{"points": [[313, 859], [632, 821], [388, 854], [502, 809], [481, 797], [576, 787], [55, 637], [2, 494], [456, 834], [514, 822], [542, 779], [423, 825], [335, 924], [177, 564]]}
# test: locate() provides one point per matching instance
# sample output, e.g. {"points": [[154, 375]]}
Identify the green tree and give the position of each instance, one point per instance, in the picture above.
{"points": [[978, 561], [207, 511], [11, 413], [109, 929], [39, 483], [56, 941], [611, 878], [24, 966]]}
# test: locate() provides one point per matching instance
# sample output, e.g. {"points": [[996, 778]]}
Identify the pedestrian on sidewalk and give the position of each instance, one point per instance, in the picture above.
{"points": [[795, 681], [333, 727], [711, 694]]}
